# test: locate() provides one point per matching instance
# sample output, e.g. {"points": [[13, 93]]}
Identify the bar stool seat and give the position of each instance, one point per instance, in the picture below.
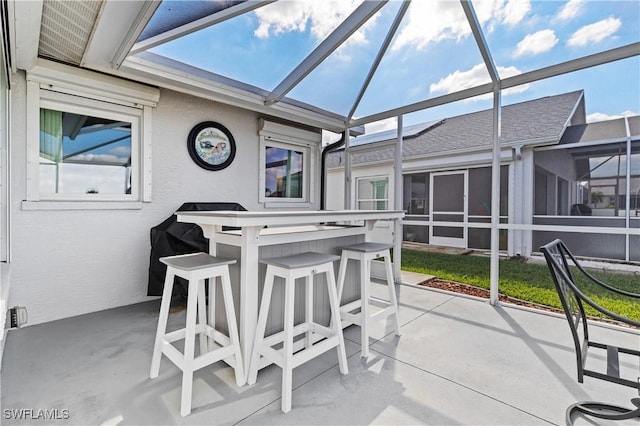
{"points": [[360, 311], [318, 338], [214, 345]]}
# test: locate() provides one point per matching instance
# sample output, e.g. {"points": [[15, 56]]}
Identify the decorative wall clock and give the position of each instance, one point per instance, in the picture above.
{"points": [[211, 145]]}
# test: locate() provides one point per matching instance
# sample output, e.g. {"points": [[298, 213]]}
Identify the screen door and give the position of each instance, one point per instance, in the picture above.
{"points": [[449, 206]]}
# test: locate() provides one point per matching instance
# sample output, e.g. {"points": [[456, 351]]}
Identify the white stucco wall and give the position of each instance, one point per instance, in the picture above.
{"points": [[557, 161], [334, 185], [67, 263], [335, 193]]}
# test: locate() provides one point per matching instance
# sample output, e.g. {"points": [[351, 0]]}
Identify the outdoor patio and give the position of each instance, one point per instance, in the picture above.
{"points": [[459, 361]]}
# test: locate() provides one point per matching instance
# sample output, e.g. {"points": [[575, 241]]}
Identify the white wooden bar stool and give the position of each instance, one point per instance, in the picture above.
{"points": [[291, 355], [360, 311], [214, 345]]}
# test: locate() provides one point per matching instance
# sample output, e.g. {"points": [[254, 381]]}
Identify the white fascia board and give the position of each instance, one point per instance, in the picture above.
{"points": [[27, 16], [83, 82], [443, 161], [202, 84], [582, 144], [448, 161], [117, 28]]}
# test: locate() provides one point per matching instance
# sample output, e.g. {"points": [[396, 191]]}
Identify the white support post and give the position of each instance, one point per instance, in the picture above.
{"points": [[347, 174], [627, 248], [248, 291], [495, 196], [398, 195]]}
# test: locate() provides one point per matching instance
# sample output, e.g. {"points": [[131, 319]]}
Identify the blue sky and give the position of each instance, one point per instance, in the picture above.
{"points": [[432, 54]]}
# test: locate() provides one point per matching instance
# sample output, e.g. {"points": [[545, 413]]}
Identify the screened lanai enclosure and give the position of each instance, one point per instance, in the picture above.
{"points": [[112, 89], [491, 124], [596, 186]]}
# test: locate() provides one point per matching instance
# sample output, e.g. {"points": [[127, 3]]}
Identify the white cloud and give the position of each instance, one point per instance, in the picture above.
{"points": [[539, 42], [322, 17], [282, 17], [460, 80], [595, 33], [381, 126], [570, 10], [430, 22], [121, 151], [100, 158], [515, 11], [599, 116], [80, 178]]}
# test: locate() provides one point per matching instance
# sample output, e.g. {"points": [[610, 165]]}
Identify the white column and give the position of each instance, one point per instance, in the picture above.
{"points": [[398, 195], [495, 197], [627, 222], [347, 174], [248, 290], [528, 174]]}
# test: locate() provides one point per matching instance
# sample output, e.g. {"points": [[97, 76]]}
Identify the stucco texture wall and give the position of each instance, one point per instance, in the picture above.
{"points": [[383, 231], [67, 263]]}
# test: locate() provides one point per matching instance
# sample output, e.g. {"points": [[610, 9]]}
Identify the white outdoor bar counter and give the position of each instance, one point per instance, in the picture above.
{"points": [[264, 234]]}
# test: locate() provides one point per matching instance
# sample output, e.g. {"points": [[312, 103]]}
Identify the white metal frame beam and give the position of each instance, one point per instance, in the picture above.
{"points": [[596, 59], [207, 21], [159, 71], [350, 25], [381, 52], [117, 27], [25, 32], [495, 156], [612, 55], [142, 19], [476, 29]]}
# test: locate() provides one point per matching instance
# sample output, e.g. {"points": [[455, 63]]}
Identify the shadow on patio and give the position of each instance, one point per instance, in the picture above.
{"points": [[459, 361]]}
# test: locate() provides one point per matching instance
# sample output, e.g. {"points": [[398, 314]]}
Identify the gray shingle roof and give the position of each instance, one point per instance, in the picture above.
{"points": [[598, 131], [526, 122]]}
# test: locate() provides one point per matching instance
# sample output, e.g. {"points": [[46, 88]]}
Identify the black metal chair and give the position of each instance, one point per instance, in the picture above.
{"points": [[559, 258]]}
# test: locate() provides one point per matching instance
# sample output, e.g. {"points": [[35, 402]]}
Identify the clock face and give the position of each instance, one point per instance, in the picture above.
{"points": [[211, 146]]}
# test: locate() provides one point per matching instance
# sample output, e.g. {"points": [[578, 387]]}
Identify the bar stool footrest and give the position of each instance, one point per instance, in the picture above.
{"points": [[276, 356], [210, 357]]}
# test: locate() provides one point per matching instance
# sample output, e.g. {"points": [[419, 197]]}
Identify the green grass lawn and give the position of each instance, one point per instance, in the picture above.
{"points": [[525, 281]]}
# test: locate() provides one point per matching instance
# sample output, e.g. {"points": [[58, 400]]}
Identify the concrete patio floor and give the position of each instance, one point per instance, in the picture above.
{"points": [[459, 361]]}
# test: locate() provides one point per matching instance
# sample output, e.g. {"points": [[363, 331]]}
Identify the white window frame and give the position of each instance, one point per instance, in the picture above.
{"points": [[60, 102], [290, 138], [371, 178], [59, 87], [5, 177]]}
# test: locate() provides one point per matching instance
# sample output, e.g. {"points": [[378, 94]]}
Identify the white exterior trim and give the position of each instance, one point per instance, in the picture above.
{"points": [[287, 137], [53, 85], [75, 81]]}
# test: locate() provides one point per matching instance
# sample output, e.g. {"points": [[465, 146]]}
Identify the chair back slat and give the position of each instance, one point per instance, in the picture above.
{"points": [[559, 260], [556, 256]]}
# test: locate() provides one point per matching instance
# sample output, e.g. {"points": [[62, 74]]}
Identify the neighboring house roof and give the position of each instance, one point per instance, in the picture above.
{"points": [[610, 130], [599, 132], [407, 132], [535, 121]]}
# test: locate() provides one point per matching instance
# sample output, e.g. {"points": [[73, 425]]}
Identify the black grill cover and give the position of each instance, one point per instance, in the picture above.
{"points": [[171, 238]]}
